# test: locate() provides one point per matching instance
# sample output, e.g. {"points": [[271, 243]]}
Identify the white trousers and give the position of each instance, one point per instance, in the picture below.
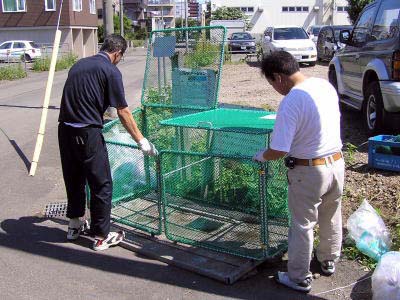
{"points": [[315, 194]]}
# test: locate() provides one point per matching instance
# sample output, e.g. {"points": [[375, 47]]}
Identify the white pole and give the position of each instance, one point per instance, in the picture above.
{"points": [[42, 127]]}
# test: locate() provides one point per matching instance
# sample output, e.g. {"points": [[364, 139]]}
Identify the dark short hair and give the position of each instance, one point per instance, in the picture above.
{"points": [[280, 62], [113, 43]]}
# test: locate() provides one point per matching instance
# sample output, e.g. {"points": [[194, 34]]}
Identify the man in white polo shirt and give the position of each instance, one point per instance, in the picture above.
{"points": [[307, 134]]}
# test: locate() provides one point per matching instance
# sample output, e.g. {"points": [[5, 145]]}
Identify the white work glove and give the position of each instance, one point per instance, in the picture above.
{"points": [[258, 157], [147, 147]]}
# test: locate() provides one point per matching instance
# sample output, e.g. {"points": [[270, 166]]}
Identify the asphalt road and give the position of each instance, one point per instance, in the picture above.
{"points": [[36, 261]]}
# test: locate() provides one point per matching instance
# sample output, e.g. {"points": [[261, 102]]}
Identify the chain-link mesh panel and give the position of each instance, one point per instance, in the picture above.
{"points": [[220, 203], [134, 199], [183, 67], [236, 132]]}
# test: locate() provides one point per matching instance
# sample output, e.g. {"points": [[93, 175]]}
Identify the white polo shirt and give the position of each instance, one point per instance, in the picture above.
{"points": [[308, 121]]}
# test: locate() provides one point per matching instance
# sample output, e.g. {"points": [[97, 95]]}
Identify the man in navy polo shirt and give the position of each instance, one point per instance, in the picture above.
{"points": [[93, 84]]}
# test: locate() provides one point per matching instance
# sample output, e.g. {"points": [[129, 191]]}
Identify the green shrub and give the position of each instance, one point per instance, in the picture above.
{"points": [[65, 62], [12, 72], [137, 43], [204, 54]]}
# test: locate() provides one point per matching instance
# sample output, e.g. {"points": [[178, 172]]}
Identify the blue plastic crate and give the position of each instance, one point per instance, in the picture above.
{"points": [[384, 153]]}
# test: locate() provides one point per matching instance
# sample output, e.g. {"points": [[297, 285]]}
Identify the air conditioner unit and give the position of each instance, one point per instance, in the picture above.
{"points": [[260, 9], [316, 8]]}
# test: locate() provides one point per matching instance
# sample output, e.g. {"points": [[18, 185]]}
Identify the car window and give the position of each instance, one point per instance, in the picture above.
{"points": [[386, 24], [241, 36], [338, 29], [291, 33], [316, 30], [18, 45], [361, 31], [34, 45], [6, 46]]}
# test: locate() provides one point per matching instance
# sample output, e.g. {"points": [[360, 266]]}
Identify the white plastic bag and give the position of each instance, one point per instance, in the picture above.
{"points": [[128, 170], [386, 277], [369, 232]]}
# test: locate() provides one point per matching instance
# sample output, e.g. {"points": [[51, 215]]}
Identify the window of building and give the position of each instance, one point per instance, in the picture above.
{"points": [[100, 13], [77, 5], [294, 8], [250, 9], [13, 5], [385, 26], [92, 7], [342, 8], [49, 5]]}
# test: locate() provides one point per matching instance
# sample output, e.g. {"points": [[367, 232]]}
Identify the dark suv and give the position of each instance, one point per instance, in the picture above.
{"points": [[366, 72]]}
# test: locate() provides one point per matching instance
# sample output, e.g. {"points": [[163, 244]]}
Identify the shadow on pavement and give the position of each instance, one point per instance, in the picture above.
{"points": [[27, 235], [362, 289], [17, 149]]}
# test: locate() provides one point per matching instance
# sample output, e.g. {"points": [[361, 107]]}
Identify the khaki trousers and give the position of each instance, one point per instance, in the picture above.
{"points": [[315, 194]]}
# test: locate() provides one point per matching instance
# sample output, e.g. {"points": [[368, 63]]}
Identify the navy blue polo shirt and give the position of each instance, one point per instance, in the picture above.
{"points": [[93, 84]]}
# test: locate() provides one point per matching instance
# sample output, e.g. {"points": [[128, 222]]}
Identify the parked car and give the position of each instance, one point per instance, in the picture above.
{"points": [[19, 50], [241, 42], [366, 73], [291, 39], [328, 41], [313, 32]]}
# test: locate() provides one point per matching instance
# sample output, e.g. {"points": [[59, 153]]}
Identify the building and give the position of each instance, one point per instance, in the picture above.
{"points": [[193, 9], [264, 13], [37, 20], [180, 8], [161, 13], [136, 10]]}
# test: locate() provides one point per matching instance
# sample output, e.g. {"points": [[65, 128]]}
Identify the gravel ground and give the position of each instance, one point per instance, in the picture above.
{"points": [[243, 85]]}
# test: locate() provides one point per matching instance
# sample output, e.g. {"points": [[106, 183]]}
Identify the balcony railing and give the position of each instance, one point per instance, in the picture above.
{"points": [[160, 2]]}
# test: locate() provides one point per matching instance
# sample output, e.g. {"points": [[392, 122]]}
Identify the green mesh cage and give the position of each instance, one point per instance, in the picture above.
{"points": [[135, 197], [235, 132], [183, 67], [225, 204]]}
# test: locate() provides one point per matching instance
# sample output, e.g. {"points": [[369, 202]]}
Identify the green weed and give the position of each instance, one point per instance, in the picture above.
{"points": [[349, 153], [350, 251], [12, 72], [64, 62]]}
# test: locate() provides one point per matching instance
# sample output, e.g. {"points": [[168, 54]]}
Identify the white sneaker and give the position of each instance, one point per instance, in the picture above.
{"points": [[74, 232], [328, 267], [304, 286], [112, 239]]}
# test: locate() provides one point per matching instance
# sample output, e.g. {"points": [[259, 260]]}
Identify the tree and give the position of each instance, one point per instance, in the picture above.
{"points": [[355, 7], [179, 22], [228, 13], [127, 28]]}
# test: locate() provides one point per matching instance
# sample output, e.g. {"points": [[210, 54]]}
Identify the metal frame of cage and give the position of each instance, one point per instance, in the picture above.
{"points": [[190, 218]]}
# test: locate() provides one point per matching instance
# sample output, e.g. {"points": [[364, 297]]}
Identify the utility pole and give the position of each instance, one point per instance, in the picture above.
{"points": [[121, 16], [108, 16]]}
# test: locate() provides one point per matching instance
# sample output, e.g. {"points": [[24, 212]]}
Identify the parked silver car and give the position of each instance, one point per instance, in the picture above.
{"points": [[328, 41], [366, 73]]}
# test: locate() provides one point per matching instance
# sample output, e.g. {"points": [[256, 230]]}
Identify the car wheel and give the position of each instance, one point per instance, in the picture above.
{"points": [[333, 80], [25, 58], [312, 64], [373, 109]]}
